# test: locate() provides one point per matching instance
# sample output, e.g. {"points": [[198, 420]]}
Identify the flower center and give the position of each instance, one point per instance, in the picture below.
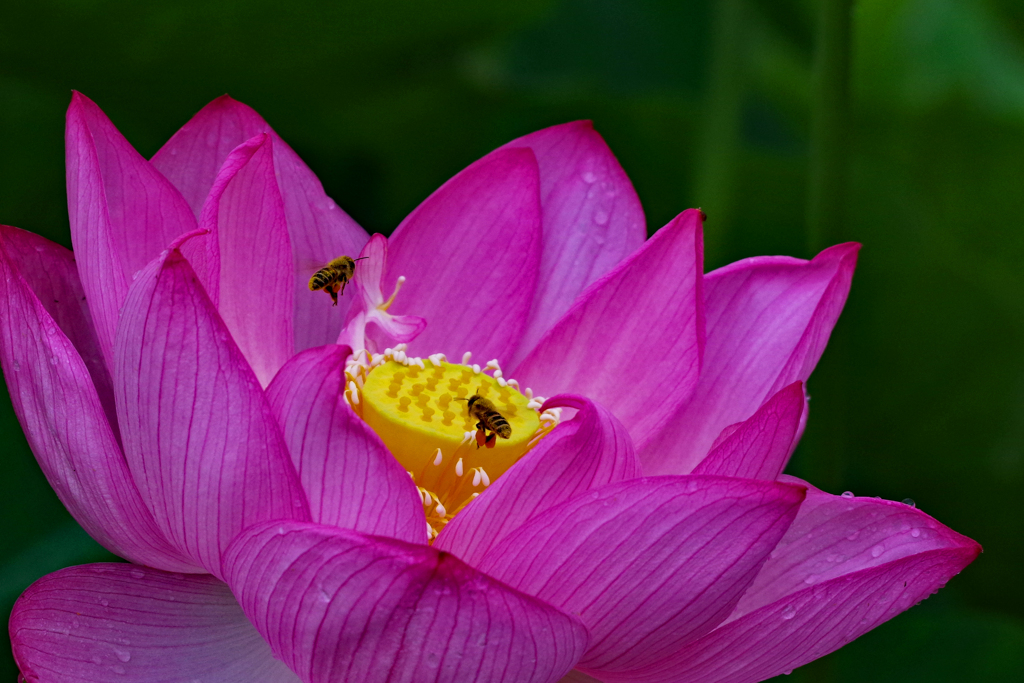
{"points": [[454, 427]]}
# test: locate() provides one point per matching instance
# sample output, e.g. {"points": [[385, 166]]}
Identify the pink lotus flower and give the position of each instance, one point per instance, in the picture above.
{"points": [[185, 396]]}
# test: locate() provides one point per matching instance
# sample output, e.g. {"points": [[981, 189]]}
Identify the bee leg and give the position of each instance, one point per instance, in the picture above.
{"points": [[341, 286], [481, 438], [490, 441], [334, 295]]}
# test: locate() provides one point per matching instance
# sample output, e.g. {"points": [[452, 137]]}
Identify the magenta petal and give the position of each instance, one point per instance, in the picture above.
{"points": [[199, 436], [591, 215], [106, 622], [122, 211], [591, 450], [249, 268], [336, 605], [57, 404], [845, 566], [470, 253], [50, 271], [649, 564], [348, 474], [759, 448], [768, 320], [319, 230], [637, 333]]}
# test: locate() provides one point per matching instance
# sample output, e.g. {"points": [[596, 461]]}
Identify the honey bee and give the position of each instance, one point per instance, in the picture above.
{"points": [[489, 419], [333, 277]]}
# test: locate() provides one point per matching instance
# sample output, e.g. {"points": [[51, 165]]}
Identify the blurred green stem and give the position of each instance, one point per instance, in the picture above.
{"points": [[720, 140], [829, 124]]}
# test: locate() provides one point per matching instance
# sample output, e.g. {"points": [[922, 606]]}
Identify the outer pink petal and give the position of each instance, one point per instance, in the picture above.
{"points": [[319, 230], [348, 474], [845, 566], [336, 605], [649, 564], [759, 447], [471, 253], [57, 404], [591, 450], [591, 214], [633, 341], [200, 438], [768, 320], [106, 622], [249, 263], [122, 211], [50, 271]]}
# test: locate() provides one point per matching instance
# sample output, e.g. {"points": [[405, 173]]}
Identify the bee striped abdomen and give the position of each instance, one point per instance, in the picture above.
{"points": [[497, 423], [321, 278]]}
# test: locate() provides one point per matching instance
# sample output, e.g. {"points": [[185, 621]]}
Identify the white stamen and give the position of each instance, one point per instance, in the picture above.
{"points": [[441, 512], [501, 382], [354, 396], [528, 393], [467, 437], [466, 357], [484, 477], [403, 346], [476, 369], [419, 362], [458, 468], [437, 458], [476, 477], [497, 374], [514, 384], [534, 405], [492, 364], [426, 497]]}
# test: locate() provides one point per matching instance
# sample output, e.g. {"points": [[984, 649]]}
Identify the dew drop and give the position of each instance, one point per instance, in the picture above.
{"points": [[877, 550], [915, 533], [123, 655], [847, 494], [853, 536], [53, 360], [16, 366], [788, 612], [601, 217], [96, 659], [787, 672], [105, 603], [910, 502], [588, 177], [118, 669], [137, 574], [811, 578]]}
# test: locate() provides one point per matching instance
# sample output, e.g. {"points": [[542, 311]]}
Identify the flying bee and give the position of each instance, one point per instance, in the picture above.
{"points": [[333, 277], [488, 419]]}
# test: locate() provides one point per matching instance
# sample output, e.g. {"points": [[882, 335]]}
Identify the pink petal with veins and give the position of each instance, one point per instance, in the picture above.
{"points": [[57, 404], [759, 447], [768, 320], [122, 212], [648, 564], [104, 622], [592, 219], [845, 566], [318, 229], [336, 605], [247, 269], [348, 474], [641, 325], [471, 253], [589, 451], [199, 436]]}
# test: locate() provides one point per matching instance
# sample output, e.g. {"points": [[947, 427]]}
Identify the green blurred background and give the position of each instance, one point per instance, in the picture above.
{"points": [[793, 123]]}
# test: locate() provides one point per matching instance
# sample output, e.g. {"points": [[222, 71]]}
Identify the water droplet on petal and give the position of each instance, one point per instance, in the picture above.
{"points": [[105, 602], [788, 612], [811, 578], [915, 533], [601, 217], [96, 659], [53, 360], [123, 655], [118, 669], [877, 550], [910, 502], [787, 672], [853, 536], [16, 366], [588, 177], [847, 494], [137, 574]]}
